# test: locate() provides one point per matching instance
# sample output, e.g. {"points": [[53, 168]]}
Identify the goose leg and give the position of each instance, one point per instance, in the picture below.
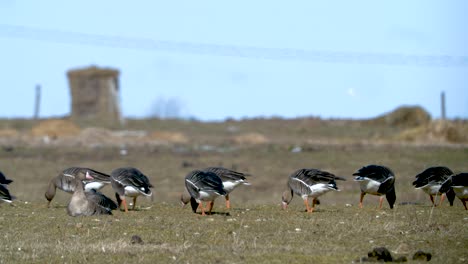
{"points": [[380, 202], [361, 199], [124, 202], [432, 199], [306, 202], [202, 208], [314, 202], [464, 203], [134, 203], [210, 206], [228, 203], [441, 199]]}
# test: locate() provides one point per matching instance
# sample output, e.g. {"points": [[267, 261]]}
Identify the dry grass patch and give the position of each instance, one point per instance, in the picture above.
{"points": [[437, 131], [166, 136], [55, 128], [250, 139]]}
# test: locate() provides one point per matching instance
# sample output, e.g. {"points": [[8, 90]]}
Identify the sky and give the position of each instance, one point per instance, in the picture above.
{"points": [[239, 59]]}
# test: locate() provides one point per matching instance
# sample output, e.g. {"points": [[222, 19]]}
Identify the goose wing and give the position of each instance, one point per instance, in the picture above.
{"points": [[374, 172], [227, 174], [132, 177], [432, 175], [102, 203]]}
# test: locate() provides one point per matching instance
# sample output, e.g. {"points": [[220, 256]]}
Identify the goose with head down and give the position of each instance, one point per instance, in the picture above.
{"points": [[457, 183], [203, 186], [309, 183], [65, 181], [430, 181], [376, 180], [88, 203], [129, 182]]}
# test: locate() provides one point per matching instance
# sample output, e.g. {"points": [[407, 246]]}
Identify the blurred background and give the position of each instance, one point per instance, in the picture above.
{"points": [[213, 61]]}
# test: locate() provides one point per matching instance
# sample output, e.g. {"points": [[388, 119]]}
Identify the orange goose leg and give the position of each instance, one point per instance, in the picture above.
{"points": [[210, 206], [380, 202], [441, 199], [314, 202], [134, 203], [228, 203], [124, 202], [202, 208], [361, 199], [306, 202]]}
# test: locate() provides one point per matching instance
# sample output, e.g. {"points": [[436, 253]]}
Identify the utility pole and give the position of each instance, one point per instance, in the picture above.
{"points": [[37, 103], [442, 105]]}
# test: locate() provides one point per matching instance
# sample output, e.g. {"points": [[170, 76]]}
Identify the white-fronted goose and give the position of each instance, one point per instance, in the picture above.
{"points": [[88, 203], [376, 180], [231, 180], [309, 183], [129, 182], [4, 180], [203, 186], [458, 183], [5, 194], [65, 181], [430, 181]]}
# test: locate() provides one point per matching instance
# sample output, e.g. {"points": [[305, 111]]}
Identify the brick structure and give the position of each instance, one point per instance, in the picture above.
{"points": [[95, 94]]}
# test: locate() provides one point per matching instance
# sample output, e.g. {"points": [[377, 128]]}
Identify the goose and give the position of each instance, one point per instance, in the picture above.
{"points": [[430, 181], [86, 203], [4, 180], [65, 181], [309, 183], [203, 186], [459, 184], [5, 194], [129, 182], [231, 179], [376, 180]]}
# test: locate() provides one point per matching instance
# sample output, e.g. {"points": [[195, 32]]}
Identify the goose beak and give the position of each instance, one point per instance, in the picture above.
{"points": [[284, 205], [88, 177]]}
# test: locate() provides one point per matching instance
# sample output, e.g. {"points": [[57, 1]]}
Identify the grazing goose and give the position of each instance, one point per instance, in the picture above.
{"points": [[4, 180], [88, 203], [430, 181], [65, 181], [376, 180], [459, 185], [129, 182], [5, 194], [309, 183], [231, 179], [203, 186]]}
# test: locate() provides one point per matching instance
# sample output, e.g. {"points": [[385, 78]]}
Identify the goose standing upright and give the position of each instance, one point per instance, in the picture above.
{"points": [[376, 180], [430, 181], [309, 183], [88, 203], [65, 181], [129, 182], [203, 186], [457, 183]]}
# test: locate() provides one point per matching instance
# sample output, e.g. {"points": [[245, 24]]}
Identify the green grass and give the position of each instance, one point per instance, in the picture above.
{"points": [[255, 230]]}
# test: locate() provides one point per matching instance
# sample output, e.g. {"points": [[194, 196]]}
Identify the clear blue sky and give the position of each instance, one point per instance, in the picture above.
{"points": [[210, 86]]}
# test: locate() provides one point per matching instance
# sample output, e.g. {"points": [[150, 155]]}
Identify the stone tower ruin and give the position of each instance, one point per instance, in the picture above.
{"points": [[95, 94]]}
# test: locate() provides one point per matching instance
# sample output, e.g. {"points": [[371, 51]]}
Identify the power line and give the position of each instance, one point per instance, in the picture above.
{"points": [[251, 52]]}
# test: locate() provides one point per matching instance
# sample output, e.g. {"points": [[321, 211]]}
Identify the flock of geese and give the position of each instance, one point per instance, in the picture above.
{"points": [[205, 185]]}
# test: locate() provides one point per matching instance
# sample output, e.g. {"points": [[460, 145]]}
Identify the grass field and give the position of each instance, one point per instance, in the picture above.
{"points": [[255, 230]]}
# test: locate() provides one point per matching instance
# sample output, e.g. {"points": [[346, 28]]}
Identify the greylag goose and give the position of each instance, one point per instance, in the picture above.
{"points": [[4, 180], [309, 183], [376, 180], [5, 194], [203, 186], [459, 185], [65, 181], [430, 181], [88, 203], [129, 182]]}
